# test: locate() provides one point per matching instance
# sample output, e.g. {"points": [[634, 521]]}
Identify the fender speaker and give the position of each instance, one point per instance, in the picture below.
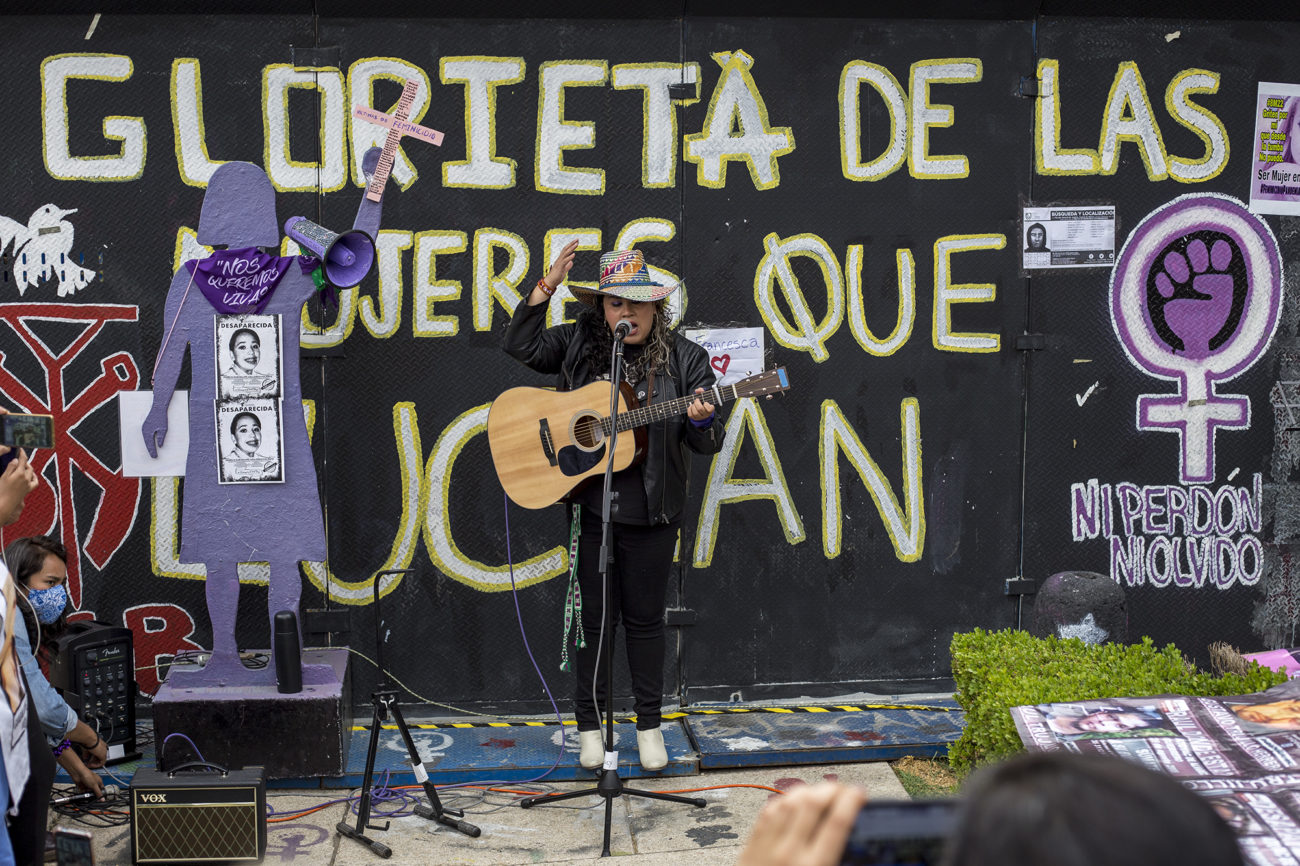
{"points": [[188, 815]]}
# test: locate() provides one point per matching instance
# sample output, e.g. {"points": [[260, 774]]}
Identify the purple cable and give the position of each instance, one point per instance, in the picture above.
{"points": [[382, 793], [158, 757], [514, 595]]}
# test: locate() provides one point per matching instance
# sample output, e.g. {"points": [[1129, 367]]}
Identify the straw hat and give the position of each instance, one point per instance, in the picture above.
{"points": [[623, 274]]}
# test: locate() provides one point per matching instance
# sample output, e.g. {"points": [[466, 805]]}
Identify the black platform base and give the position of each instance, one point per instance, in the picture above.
{"points": [[303, 735]]}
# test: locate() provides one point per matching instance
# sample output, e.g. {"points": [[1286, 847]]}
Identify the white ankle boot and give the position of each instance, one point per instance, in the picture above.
{"points": [[650, 749], [591, 749]]}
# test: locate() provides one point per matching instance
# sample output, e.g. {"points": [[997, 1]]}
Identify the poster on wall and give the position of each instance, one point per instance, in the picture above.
{"points": [[1275, 153], [250, 441], [734, 353], [1072, 236], [248, 353]]}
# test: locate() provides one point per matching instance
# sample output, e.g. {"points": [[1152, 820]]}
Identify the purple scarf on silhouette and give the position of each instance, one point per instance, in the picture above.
{"points": [[242, 281]]}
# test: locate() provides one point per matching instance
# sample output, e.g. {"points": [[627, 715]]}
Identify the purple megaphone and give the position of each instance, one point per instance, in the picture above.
{"points": [[346, 257]]}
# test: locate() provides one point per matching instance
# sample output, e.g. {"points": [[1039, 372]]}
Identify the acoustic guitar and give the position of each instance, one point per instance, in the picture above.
{"points": [[545, 442]]}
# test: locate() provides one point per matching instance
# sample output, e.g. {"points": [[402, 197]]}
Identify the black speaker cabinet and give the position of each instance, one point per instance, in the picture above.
{"points": [[93, 669], [184, 815]]}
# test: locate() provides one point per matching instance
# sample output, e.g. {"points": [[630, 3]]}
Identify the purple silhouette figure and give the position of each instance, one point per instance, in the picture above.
{"points": [[223, 525]]}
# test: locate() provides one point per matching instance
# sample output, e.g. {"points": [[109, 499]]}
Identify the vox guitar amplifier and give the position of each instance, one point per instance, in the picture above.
{"points": [[184, 815]]}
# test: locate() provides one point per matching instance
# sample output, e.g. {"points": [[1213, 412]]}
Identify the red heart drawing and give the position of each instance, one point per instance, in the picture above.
{"points": [[720, 363]]}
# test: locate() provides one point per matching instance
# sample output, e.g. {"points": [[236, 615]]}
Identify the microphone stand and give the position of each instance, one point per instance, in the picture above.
{"points": [[384, 700], [610, 785]]}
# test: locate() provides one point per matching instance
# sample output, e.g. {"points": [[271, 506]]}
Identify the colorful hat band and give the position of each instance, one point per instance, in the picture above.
{"points": [[624, 268]]}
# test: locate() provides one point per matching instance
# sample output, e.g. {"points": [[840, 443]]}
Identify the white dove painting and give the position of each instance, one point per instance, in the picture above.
{"points": [[43, 249]]}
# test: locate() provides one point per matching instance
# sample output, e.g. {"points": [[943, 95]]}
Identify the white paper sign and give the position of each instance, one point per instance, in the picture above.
{"points": [[734, 353], [1078, 236], [132, 408]]}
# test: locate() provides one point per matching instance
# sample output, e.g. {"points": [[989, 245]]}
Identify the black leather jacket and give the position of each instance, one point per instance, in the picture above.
{"points": [[666, 471]]}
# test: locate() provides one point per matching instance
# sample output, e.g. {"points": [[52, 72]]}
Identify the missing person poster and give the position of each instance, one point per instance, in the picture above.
{"points": [[1068, 236], [250, 441], [1240, 752], [1275, 151], [248, 351]]}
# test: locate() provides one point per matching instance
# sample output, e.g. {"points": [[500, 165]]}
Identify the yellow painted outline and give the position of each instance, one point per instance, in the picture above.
{"points": [[905, 318], [1184, 111], [110, 125], [492, 85], [409, 453], [646, 121], [1122, 73], [182, 164], [946, 294], [837, 436], [360, 592], [442, 459], [589, 239], [401, 163], [425, 286], [737, 63], [787, 334], [920, 101], [485, 241], [851, 165], [1049, 80], [542, 97], [322, 138], [165, 539], [178, 250], [746, 417], [368, 309]]}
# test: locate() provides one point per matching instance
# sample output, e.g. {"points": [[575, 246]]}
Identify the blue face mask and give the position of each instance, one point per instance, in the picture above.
{"points": [[48, 603]]}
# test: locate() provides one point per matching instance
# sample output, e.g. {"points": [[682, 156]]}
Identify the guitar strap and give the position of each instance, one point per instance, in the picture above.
{"points": [[573, 595]]}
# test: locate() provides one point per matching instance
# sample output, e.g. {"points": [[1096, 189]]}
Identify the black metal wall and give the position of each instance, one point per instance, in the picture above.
{"points": [[791, 579]]}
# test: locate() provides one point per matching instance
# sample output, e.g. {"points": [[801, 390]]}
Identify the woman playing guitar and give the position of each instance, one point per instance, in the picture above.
{"points": [[660, 366]]}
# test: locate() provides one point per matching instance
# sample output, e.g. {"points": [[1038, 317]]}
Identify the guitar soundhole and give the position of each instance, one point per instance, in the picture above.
{"points": [[587, 432]]}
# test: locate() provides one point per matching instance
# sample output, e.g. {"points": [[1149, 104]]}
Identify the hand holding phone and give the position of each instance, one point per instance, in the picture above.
{"points": [[19, 430], [898, 832], [73, 847]]}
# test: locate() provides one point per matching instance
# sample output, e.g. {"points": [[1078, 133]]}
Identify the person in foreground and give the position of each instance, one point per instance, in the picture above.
{"points": [[26, 765], [39, 564], [1036, 809], [660, 367]]}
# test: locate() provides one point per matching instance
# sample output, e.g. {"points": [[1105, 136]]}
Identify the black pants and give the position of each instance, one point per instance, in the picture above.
{"points": [[643, 560]]}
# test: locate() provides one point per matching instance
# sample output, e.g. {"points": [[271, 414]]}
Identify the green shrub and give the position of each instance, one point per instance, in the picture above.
{"points": [[995, 671]]}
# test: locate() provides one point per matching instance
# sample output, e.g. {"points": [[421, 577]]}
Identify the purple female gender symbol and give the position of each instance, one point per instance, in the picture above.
{"points": [[1195, 297]]}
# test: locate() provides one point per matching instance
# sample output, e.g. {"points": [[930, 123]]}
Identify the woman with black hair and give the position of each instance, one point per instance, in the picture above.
{"points": [[39, 567], [660, 367]]}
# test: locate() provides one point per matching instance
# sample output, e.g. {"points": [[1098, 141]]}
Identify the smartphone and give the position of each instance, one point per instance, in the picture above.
{"points": [[900, 832], [27, 431], [72, 847]]}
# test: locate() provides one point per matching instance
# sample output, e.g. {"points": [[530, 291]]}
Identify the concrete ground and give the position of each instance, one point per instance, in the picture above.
{"points": [[648, 832]]}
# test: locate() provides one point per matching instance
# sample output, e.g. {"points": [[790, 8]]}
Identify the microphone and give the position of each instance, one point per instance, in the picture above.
{"points": [[622, 329], [109, 791]]}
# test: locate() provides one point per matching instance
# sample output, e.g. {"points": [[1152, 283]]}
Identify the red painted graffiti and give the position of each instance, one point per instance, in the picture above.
{"points": [[51, 507], [158, 632]]}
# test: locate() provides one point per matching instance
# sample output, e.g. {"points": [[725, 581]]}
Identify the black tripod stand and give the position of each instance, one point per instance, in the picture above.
{"points": [[610, 784], [385, 701]]}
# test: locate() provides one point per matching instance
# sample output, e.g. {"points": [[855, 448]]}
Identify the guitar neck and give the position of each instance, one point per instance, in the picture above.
{"points": [[643, 415]]}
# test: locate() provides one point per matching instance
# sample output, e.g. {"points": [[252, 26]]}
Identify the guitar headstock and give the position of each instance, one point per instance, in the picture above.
{"points": [[763, 384]]}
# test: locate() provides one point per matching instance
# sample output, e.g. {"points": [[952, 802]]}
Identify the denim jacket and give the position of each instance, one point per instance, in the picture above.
{"points": [[57, 718]]}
